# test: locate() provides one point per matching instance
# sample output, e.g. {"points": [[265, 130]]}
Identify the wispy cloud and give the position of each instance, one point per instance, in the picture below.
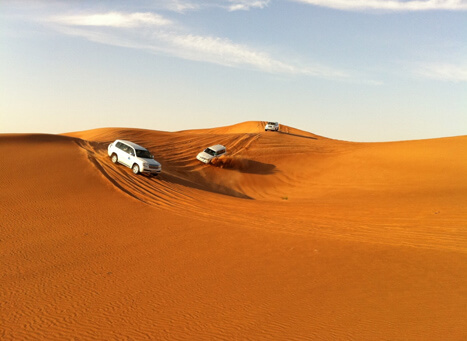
{"points": [[223, 51], [245, 5], [113, 19], [390, 5], [182, 6], [443, 72], [155, 33], [179, 5]]}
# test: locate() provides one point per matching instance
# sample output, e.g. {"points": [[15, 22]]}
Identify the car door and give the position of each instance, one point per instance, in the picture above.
{"points": [[123, 155], [119, 150], [131, 156]]}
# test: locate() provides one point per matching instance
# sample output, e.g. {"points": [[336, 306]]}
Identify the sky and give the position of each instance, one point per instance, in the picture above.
{"points": [[356, 70]]}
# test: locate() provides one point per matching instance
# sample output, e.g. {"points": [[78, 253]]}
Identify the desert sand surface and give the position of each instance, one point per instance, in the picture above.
{"points": [[291, 236]]}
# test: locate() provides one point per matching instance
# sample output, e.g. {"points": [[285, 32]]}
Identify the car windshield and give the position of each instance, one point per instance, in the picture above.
{"points": [[210, 151], [272, 123], [145, 154]]}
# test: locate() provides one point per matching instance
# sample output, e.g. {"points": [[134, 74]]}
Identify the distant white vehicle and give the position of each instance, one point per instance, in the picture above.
{"points": [[210, 153], [273, 126], [138, 158]]}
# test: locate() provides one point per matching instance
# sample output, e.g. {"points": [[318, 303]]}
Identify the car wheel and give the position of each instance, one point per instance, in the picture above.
{"points": [[135, 169], [114, 158]]}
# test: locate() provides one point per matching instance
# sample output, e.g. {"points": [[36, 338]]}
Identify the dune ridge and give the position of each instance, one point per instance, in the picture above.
{"points": [[320, 176], [291, 236]]}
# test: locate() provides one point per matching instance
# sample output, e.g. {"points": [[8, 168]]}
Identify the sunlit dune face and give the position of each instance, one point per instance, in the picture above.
{"points": [[289, 235]]}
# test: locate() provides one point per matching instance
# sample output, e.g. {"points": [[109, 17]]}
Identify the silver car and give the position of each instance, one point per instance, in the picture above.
{"points": [[138, 158], [210, 153], [273, 126]]}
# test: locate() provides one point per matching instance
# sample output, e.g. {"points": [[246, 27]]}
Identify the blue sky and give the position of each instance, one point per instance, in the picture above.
{"points": [[359, 70]]}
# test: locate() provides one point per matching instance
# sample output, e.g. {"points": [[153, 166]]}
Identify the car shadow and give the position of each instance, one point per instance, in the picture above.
{"points": [[243, 165]]}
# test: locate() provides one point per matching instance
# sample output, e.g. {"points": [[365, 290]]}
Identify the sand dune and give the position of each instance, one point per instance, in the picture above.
{"points": [[290, 236]]}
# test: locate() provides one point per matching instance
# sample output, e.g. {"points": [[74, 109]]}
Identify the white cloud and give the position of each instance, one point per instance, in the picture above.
{"points": [[390, 5], [180, 5], [154, 33], [245, 5], [230, 5], [443, 72], [113, 19], [225, 52]]}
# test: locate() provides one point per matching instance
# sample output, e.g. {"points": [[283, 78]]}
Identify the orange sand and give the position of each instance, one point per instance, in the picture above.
{"points": [[292, 236]]}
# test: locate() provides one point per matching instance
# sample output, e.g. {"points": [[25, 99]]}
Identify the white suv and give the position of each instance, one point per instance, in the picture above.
{"points": [[137, 158], [210, 153], [274, 126]]}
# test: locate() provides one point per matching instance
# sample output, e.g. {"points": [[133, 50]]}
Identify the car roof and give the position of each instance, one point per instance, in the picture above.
{"points": [[132, 144], [217, 147]]}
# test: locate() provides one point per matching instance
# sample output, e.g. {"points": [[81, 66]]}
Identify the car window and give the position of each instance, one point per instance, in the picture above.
{"points": [[145, 154], [222, 151], [131, 151], [210, 151], [125, 148]]}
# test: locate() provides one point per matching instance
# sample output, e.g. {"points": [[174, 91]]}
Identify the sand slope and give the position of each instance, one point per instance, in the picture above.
{"points": [[291, 236]]}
